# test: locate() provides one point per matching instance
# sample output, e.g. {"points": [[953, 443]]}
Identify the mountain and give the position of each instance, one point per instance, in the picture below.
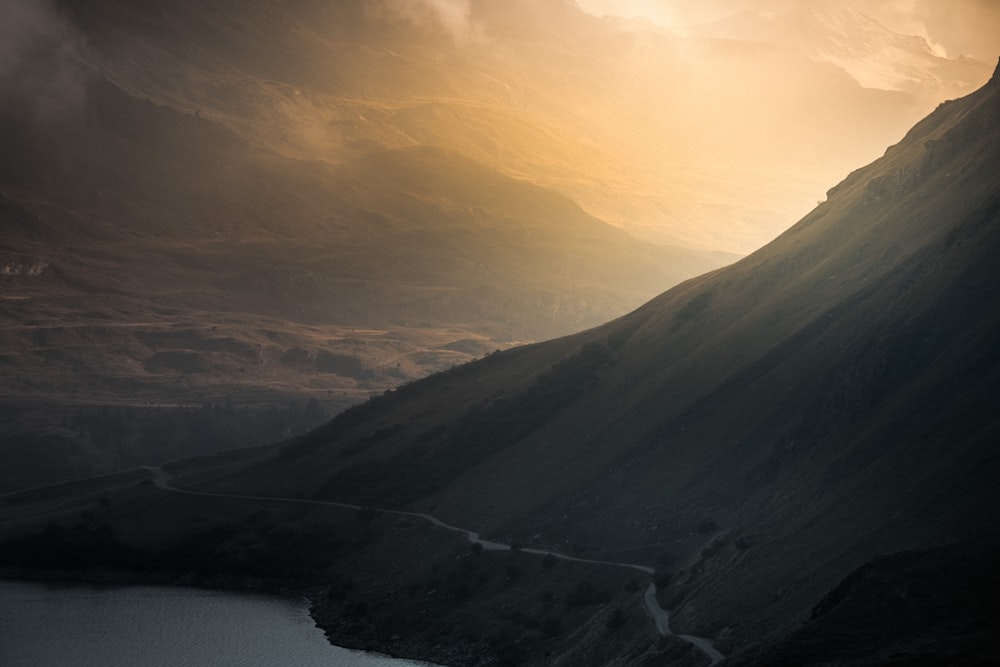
{"points": [[770, 425], [159, 249], [279, 206], [754, 434], [634, 123], [127, 123], [190, 221], [165, 165]]}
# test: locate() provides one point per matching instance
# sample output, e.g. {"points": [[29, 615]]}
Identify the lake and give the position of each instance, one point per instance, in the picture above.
{"points": [[151, 626]]}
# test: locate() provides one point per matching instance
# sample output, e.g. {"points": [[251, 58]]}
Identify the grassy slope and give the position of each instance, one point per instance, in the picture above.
{"points": [[788, 410], [156, 256], [769, 426], [934, 607], [181, 264], [136, 203], [200, 243], [756, 433]]}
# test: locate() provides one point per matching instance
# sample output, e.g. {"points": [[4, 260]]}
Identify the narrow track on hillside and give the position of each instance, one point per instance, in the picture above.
{"points": [[661, 617]]}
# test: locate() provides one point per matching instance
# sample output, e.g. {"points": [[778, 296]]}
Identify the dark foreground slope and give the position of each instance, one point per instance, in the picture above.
{"points": [[756, 433], [764, 428], [934, 607]]}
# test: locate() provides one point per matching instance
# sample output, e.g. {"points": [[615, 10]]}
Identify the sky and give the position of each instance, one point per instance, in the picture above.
{"points": [[951, 27]]}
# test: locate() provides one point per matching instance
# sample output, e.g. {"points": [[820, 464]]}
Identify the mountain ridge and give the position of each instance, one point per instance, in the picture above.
{"points": [[755, 434], [878, 359], [160, 257]]}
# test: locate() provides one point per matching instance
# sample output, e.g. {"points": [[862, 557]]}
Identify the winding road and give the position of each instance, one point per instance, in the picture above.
{"points": [[661, 617]]}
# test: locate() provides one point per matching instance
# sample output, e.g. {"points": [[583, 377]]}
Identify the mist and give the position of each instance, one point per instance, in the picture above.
{"points": [[39, 64], [454, 16], [951, 27]]}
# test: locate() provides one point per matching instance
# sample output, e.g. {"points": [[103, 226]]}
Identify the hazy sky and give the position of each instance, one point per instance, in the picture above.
{"points": [[953, 27]]}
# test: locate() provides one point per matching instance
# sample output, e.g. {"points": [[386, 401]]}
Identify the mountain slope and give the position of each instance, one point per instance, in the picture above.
{"points": [[763, 429], [125, 124], [755, 434], [126, 202], [934, 607], [635, 124], [154, 257]]}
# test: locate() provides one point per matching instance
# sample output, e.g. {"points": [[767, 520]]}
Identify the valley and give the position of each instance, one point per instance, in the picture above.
{"points": [[487, 332], [753, 435]]}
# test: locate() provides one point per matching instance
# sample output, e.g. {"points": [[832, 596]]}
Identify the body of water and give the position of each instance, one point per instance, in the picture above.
{"points": [[151, 626]]}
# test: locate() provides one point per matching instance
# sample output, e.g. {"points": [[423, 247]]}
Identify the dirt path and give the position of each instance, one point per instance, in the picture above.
{"points": [[660, 616]]}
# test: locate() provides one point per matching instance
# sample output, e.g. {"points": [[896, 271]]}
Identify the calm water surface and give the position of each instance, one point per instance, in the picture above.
{"points": [[148, 626]]}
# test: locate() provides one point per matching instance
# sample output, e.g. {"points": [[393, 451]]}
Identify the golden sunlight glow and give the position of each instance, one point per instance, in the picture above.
{"points": [[713, 124]]}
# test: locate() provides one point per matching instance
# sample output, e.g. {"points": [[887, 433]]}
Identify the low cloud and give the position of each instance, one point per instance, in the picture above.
{"points": [[950, 27], [969, 27], [453, 16]]}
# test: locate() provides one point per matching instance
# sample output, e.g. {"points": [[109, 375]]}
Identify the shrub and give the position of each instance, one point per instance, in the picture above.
{"points": [[582, 594], [707, 526], [615, 620], [551, 626]]}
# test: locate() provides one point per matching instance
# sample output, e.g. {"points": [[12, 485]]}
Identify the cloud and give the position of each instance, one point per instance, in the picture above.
{"points": [[39, 67], [454, 16], [952, 27], [969, 27]]}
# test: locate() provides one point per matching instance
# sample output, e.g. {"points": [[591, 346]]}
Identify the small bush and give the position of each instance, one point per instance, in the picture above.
{"points": [[663, 579], [582, 594], [552, 626], [615, 620]]}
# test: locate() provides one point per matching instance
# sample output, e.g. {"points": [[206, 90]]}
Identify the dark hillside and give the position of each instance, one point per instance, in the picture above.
{"points": [[752, 435], [770, 425], [282, 201], [936, 607]]}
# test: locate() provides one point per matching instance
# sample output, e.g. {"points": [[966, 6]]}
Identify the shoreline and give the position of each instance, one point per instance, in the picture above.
{"points": [[124, 579]]}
